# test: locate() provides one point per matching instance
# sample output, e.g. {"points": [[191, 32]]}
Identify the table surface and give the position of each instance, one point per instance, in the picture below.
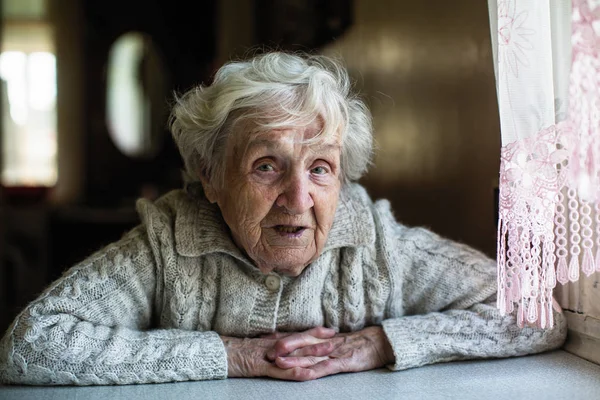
{"points": [[554, 375]]}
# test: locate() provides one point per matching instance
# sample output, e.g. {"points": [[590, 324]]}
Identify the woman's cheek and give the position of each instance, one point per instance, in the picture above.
{"points": [[264, 191]]}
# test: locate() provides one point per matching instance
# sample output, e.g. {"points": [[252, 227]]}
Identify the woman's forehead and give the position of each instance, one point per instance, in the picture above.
{"points": [[312, 133], [311, 136]]}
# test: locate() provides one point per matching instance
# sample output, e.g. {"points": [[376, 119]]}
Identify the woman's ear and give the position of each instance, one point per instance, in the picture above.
{"points": [[209, 190]]}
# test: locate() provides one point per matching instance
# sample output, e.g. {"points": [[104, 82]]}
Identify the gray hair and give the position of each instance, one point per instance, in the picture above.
{"points": [[272, 90]]}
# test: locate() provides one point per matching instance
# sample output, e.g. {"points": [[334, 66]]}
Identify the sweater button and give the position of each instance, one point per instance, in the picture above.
{"points": [[272, 283]]}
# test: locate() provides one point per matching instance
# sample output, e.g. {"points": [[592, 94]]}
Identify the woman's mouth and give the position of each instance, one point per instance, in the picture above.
{"points": [[289, 230]]}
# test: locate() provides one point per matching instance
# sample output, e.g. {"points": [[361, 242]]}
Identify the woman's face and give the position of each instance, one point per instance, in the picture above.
{"points": [[279, 196]]}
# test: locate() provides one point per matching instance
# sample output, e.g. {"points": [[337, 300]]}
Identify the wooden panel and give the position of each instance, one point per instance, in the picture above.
{"points": [[427, 73], [584, 336]]}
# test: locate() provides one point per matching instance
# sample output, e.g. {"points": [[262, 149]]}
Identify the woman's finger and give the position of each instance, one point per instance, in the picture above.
{"points": [[291, 374], [330, 366], [302, 362], [287, 345], [316, 350], [318, 332], [321, 332]]}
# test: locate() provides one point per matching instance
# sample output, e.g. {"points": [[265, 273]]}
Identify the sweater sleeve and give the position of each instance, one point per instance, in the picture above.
{"points": [[93, 327], [447, 293]]}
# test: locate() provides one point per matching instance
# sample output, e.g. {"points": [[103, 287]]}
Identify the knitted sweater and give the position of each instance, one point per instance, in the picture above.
{"points": [[150, 307]]}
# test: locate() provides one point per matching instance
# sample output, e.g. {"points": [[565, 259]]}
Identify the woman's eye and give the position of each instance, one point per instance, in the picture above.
{"points": [[319, 170], [265, 168]]}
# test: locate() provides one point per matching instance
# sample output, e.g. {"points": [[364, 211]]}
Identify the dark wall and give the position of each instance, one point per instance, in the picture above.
{"points": [[185, 36], [301, 25]]}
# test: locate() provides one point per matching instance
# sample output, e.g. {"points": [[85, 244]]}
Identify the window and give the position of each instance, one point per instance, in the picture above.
{"points": [[28, 73]]}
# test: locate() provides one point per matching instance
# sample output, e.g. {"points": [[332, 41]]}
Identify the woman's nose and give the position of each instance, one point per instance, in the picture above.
{"points": [[296, 197]]}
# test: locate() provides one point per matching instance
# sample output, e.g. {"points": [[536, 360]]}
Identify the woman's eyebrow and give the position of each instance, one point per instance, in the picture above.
{"points": [[274, 144], [253, 145]]}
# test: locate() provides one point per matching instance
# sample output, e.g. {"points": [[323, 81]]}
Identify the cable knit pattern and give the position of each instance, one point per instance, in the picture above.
{"points": [[478, 332], [209, 288], [352, 282], [375, 287], [150, 307], [451, 288], [331, 301], [93, 327]]}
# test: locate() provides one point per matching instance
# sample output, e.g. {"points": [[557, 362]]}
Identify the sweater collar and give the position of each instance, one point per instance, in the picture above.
{"points": [[200, 228]]}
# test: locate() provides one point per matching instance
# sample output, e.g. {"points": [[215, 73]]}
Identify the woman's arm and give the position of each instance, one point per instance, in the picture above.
{"points": [[93, 327], [448, 299]]}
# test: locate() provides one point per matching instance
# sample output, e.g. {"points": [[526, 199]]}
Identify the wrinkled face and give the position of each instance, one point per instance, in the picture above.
{"points": [[279, 196]]}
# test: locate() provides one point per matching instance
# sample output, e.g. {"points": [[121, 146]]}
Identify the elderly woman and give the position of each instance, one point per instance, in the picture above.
{"points": [[273, 262]]}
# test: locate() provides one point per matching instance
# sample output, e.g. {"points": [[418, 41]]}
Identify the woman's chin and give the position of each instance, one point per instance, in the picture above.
{"points": [[284, 260], [291, 268]]}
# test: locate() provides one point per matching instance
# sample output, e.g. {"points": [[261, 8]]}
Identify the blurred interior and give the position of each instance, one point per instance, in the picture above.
{"points": [[87, 87]]}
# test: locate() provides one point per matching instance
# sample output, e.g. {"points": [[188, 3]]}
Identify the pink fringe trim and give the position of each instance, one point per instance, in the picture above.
{"points": [[549, 221]]}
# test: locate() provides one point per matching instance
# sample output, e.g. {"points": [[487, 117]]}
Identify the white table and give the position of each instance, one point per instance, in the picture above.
{"points": [[555, 375]]}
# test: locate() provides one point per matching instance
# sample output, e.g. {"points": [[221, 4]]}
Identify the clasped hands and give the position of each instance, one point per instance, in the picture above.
{"points": [[308, 355]]}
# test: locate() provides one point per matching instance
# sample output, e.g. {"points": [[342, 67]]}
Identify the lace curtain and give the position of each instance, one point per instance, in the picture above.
{"points": [[547, 65]]}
